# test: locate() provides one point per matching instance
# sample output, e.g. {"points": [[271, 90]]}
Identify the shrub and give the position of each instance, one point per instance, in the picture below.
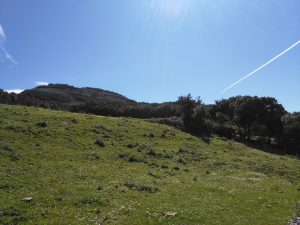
{"points": [[153, 175], [99, 128], [130, 145], [131, 158], [141, 187], [183, 150], [290, 138], [182, 161], [42, 124], [151, 135], [74, 120], [224, 130], [176, 168], [164, 166], [152, 152], [12, 152], [172, 121], [100, 143], [93, 156], [168, 156]]}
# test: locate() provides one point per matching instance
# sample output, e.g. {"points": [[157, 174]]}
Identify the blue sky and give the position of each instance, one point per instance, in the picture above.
{"points": [[153, 50]]}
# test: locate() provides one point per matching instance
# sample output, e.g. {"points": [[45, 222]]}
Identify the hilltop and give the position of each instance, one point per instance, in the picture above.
{"points": [[67, 168], [89, 100]]}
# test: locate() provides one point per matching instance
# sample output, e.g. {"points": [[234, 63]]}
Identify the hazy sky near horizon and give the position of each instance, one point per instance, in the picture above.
{"points": [[153, 50]]}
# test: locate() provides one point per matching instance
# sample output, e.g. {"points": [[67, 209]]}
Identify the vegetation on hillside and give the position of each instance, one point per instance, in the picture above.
{"points": [[67, 168], [244, 118], [88, 100]]}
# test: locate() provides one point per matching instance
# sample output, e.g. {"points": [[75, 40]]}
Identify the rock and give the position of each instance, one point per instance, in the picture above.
{"points": [[27, 199], [171, 214], [296, 221]]}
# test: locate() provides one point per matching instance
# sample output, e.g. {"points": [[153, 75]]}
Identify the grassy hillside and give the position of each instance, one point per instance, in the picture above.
{"points": [[63, 168]]}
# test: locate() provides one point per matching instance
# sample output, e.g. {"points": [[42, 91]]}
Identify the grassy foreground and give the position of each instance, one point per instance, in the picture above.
{"points": [[65, 168]]}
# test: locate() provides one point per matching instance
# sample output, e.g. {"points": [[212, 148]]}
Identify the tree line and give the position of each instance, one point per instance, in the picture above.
{"points": [[246, 118], [259, 119]]}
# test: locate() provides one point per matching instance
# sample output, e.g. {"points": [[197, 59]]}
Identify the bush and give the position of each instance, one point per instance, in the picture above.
{"points": [[176, 168], [182, 161], [74, 120], [11, 152], [152, 152], [172, 121], [182, 150], [141, 187], [100, 143], [130, 145], [164, 166], [42, 124], [290, 138], [131, 158], [224, 130], [93, 156]]}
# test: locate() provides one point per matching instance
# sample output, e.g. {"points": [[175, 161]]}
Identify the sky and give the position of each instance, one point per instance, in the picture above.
{"points": [[153, 50]]}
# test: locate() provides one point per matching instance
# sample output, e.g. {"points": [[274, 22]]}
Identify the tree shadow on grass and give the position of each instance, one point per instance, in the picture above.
{"points": [[265, 147]]}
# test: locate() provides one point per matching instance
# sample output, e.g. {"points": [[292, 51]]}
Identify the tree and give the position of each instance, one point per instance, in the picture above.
{"points": [[290, 139], [270, 116], [247, 113], [195, 116], [5, 97], [187, 104]]}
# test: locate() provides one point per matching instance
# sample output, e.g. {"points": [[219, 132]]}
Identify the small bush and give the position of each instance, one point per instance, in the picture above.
{"points": [[74, 120], [153, 175], [99, 128], [176, 168], [152, 152], [153, 164], [87, 201], [141, 187], [12, 152], [42, 124], [164, 166], [131, 158], [172, 121], [224, 130], [130, 145], [151, 135], [93, 156], [183, 150], [182, 161], [100, 143], [168, 156]]}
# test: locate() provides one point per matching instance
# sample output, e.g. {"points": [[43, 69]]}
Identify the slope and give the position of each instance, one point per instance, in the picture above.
{"points": [[65, 95], [66, 168]]}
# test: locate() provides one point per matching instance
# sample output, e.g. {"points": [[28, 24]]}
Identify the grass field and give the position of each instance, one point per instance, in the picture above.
{"points": [[65, 168]]}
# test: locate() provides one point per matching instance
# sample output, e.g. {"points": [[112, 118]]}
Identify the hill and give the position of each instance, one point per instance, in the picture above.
{"points": [[89, 100], [66, 95], [67, 168]]}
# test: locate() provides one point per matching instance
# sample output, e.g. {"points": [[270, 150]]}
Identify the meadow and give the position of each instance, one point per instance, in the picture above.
{"points": [[68, 168]]}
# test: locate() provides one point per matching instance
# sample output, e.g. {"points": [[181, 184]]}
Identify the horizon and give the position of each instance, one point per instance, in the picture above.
{"points": [[18, 91], [153, 51]]}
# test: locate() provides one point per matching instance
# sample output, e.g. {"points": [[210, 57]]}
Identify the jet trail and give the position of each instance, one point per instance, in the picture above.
{"points": [[259, 68]]}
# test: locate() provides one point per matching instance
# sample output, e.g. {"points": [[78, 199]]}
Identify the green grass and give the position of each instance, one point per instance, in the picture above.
{"points": [[84, 169]]}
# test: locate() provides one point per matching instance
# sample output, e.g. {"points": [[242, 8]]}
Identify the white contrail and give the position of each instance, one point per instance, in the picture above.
{"points": [[259, 68], [2, 48], [7, 55]]}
